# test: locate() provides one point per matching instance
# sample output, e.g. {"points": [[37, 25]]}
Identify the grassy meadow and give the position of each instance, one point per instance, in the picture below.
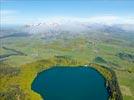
{"points": [[18, 71]]}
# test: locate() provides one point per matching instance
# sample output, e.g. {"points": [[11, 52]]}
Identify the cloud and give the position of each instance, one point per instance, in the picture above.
{"points": [[94, 19], [8, 16], [14, 17], [104, 19]]}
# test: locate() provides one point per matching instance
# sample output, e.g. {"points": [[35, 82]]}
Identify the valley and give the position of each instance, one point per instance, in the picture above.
{"points": [[26, 56]]}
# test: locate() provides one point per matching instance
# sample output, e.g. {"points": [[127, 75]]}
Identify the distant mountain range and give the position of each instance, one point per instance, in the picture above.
{"points": [[68, 27], [76, 26]]}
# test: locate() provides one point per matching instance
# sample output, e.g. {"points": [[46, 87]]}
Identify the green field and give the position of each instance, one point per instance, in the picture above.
{"points": [[18, 71]]}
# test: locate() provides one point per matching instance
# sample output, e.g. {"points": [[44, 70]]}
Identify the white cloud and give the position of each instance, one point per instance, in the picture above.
{"points": [[104, 19], [95, 19], [14, 17], [8, 16]]}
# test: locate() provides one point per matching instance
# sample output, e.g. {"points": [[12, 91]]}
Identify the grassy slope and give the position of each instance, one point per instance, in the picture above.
{"points": [[78, 49]]}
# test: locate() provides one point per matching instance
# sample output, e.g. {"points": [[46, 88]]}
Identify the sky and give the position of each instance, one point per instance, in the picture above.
{"points": [[27, 11]]}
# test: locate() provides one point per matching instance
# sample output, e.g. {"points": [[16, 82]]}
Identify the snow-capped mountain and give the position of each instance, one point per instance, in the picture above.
{"points": [[75, 26], [71, 27]]}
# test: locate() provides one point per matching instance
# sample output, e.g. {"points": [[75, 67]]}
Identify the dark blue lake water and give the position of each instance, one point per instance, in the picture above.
{"points": [[70, 83]]}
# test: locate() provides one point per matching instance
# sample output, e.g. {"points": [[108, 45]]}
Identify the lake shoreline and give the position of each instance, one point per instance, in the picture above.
{"points": [[68, 70], [110, 78], [111, 81]]}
